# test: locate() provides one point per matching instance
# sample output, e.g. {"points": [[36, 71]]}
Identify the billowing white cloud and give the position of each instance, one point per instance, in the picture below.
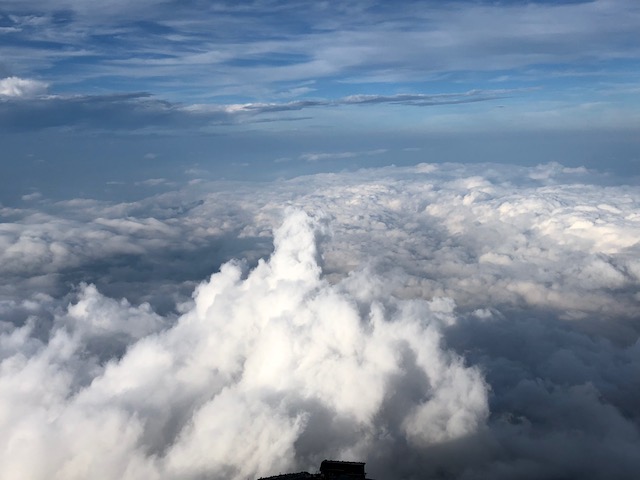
{"points": [[448, 321], [253, 366]]}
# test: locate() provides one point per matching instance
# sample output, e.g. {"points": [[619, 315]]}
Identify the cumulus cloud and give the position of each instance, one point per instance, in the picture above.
{"points": [[21, 87], [447, 321], [242, 383]]}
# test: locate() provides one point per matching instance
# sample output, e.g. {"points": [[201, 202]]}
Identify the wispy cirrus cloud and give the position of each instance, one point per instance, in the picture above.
{"points": [[299, 41], [412, 99], [353, 53]]}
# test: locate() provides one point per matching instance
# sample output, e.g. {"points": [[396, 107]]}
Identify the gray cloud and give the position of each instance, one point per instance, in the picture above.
{"points": [[22, 109], [417, 99], [489, 313], [136, 111], [111, 112]]}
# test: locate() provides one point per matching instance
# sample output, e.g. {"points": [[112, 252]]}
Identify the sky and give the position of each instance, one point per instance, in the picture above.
{"points": [[129, 91], [238, 238]]}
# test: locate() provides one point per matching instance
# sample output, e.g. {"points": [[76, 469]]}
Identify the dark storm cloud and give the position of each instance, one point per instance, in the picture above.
{"points": [[439, 321]]}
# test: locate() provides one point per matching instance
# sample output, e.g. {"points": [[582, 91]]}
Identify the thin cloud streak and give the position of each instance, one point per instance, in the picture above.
{"points": [[25, 108]]}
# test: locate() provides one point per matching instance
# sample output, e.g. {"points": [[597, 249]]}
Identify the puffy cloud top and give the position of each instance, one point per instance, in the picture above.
{"points": [[439, 321], [21, 87], [267, 371]]}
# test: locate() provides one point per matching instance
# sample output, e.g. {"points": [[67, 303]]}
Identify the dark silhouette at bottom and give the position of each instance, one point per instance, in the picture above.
{"points": [[329, 470]]}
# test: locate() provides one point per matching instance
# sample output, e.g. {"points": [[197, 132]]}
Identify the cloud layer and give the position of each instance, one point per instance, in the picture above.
{"points": [[364, 41], [272, 371], [580, 57], [25, 107], [448, 321]]}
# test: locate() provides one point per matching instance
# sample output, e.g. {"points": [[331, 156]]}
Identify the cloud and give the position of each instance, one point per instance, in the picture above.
{"points": [[139, 111], [302, 41], [32, 196], [422, 100], [21, 87], [253, 366], [418, 100], [488, 312], [153, 182], [114, 112], [315, 157]]}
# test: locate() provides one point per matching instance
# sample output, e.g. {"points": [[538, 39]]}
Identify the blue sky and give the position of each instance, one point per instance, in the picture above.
{"points": [[122, 90]]}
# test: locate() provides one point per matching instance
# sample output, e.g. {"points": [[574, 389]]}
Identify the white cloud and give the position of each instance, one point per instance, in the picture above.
{"points": [[32, 196], [319, 156], [153, 182], [252, 366], [21, 87], [489, 313]]}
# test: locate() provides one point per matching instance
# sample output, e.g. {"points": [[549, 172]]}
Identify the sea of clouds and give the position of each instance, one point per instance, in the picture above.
{"points": [[436, 321]]}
